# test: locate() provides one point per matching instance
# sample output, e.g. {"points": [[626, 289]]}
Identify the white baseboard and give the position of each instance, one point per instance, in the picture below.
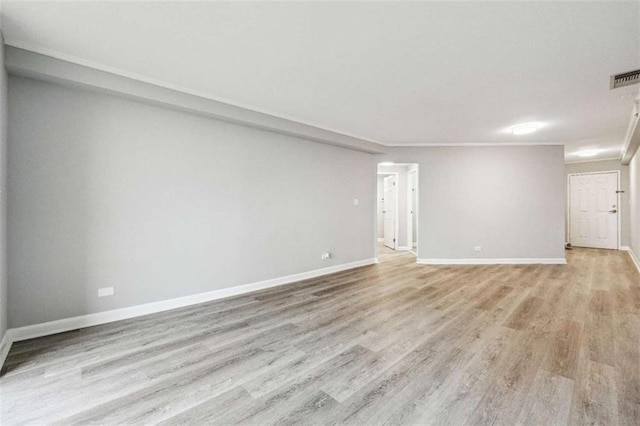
{"points": [[403, 248], [5, 346], [624, 248], [635, 259], [511, 261], [74, 323]]}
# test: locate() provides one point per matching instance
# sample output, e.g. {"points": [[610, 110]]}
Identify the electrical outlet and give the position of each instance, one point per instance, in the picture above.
{"points": [[325, 256], [477, 248], [106, 291], [356, 202]]}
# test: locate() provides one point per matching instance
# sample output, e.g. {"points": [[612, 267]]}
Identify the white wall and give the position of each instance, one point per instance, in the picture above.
{"points": [[105, 191], [509, 200], [3, 193], [606, 166]]}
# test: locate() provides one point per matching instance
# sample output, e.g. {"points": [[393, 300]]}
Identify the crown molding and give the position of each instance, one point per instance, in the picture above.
{"points": [[33, 62], [439, 144], [594, 160]]}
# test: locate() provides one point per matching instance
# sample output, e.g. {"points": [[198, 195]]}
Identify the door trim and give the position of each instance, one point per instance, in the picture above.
{"points": [[619, 206], [409, 209], [395, 213]]}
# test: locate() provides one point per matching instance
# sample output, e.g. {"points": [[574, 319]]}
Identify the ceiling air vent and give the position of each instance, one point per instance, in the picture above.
{"points": [[625, 79]]}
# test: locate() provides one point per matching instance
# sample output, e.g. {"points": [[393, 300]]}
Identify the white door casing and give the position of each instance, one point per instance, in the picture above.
{"points": [[593, 210], [389, 211], [412, 209]]}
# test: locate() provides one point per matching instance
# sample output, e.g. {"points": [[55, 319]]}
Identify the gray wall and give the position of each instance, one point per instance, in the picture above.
{"points": [[105, 191], [634, 201], [509, 200], [605, 166], [3, 193]]}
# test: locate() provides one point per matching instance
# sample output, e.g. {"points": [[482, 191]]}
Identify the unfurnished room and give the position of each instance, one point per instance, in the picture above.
{"points": [[320, 213]]}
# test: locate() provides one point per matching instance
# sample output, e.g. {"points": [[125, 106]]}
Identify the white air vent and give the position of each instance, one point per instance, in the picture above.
{"points": [[625, 79]]}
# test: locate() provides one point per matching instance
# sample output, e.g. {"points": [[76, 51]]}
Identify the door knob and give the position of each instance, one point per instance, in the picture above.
{"points": [[613, 211]]}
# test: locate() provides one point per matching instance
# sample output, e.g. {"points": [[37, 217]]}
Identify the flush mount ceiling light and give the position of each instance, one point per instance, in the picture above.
{"points": [[526, 128], [587, 153]]}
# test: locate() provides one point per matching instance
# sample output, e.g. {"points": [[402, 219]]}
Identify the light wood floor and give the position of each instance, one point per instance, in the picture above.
{"points": [[395, 343]]}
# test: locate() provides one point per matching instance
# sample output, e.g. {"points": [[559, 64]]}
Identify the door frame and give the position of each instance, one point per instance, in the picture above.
{"points": [[410, 208], [618, 205], [395, 213]]}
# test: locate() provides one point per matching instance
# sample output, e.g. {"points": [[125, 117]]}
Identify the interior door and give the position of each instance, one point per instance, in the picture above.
{"points": [[594, 210], [389, 212]]}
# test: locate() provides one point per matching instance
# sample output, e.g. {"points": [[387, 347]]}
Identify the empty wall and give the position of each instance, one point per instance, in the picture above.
{"points": [[159, 204], [607, 166], [508, 200]]}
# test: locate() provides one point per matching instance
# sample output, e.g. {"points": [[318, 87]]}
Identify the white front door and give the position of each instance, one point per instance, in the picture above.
{"points": [[593, 210], [389, 212]]}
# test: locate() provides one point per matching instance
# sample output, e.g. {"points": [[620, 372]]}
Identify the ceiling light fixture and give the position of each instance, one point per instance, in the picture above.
{"points": [[386, 163], [587, 153], [526, 128]]}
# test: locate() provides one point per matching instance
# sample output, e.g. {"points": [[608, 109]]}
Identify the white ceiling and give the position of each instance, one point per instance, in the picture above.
{"points": [[395, 73]]}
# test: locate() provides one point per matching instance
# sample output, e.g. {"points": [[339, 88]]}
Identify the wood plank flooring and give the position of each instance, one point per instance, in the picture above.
{"points": [[395, 343]]}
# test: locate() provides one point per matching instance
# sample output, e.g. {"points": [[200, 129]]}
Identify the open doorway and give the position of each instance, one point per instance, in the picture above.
{"points": [[397, 209]]}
